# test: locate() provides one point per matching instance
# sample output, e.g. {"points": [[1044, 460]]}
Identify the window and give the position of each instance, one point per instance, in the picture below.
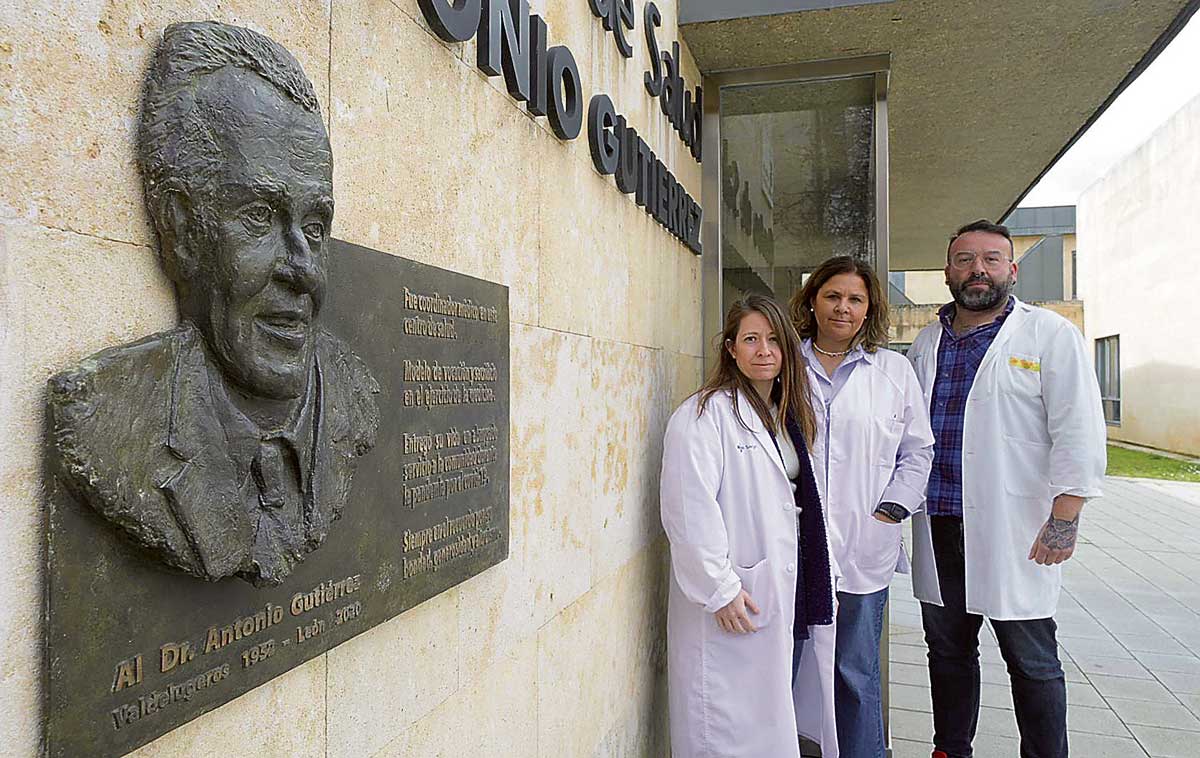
{"points": [[1074, 276], [1108, 373]]}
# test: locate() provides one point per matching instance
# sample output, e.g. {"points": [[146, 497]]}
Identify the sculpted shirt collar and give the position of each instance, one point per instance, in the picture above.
{"points": [[244, 436]]}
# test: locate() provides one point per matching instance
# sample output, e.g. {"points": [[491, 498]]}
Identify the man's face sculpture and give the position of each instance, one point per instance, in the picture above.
{"points": [[267, 211]]}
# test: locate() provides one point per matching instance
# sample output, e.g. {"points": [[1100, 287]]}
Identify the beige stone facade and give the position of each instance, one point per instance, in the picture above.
{"points": [[558, 651], [1137, 272]]}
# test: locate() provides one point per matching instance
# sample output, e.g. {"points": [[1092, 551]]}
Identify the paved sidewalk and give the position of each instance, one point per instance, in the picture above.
{"points": [[1129, 635]]}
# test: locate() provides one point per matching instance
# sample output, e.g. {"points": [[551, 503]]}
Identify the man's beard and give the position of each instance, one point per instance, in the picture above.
{"points": [[981, 300]]}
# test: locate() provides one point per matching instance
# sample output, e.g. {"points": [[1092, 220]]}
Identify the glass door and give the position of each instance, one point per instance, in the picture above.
{"points": [[798, 174]]}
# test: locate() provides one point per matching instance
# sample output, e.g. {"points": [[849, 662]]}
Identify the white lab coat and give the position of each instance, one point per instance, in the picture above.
{"points": [[876, 427], [1033, 430], [729, 512]]}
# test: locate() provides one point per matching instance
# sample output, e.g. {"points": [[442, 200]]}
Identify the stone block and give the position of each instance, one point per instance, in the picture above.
{"points": [[581, 257], [430, 164], [686, 377], [70, 91], [553, 454], [496, 607], [628, 439], [489, 716], [681, 313], [284, 718], [386, 678], [608, 652], [65, 296]]}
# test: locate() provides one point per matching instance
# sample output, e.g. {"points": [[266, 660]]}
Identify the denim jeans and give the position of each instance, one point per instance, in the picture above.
{"points": [[1029, 649], [857, 692]]}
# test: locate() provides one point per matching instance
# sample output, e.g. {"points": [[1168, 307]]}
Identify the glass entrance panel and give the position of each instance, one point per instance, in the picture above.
{"points": [[797, 181]]}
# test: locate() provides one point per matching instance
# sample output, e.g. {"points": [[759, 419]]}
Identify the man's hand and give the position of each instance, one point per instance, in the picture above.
{"points": [[733, 619], [1055, 542]]}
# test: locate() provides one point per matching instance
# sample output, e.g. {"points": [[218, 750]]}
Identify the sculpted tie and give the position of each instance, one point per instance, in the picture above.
{"points": [[280, 532]]}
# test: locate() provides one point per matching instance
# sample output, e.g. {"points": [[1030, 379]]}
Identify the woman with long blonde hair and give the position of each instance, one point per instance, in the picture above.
{"points": [[751, 591]]}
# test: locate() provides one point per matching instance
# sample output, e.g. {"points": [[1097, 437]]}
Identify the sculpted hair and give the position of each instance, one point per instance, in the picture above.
{"points": [[790, 392], [175, 145], [982, 225], [874, 332]]}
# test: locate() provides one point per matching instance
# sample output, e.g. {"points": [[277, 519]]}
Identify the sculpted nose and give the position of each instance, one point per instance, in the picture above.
{"points": [[302, 268]]}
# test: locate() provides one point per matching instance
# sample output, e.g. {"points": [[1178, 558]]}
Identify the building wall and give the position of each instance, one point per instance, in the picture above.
{"points": [[1137, 271], [557, 652], [1070, 245], [1021, 245], [926, 287], [929, 287]]}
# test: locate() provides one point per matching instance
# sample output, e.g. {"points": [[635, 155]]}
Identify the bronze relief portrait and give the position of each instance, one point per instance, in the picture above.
{"points": [[226, 446]]}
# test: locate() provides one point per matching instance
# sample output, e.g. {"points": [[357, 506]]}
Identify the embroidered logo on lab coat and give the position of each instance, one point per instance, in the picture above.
{"points": [[1025, 363]]}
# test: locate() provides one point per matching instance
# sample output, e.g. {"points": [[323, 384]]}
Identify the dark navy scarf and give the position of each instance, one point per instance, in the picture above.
{"points": [[814, 591]]}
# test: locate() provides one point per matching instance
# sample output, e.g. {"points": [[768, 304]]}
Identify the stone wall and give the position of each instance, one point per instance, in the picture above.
{"points": [[557, 652]]}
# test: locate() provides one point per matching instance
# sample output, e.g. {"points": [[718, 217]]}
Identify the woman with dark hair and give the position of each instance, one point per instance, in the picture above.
{"points": [[751, 591], [871, 457]]}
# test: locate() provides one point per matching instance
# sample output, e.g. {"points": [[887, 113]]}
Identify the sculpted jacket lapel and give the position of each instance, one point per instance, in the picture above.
{"points": [[201, 486], [331, 463]]}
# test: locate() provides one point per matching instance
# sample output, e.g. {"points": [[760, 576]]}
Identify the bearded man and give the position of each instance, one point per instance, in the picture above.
{"points": [[1019, 447]]}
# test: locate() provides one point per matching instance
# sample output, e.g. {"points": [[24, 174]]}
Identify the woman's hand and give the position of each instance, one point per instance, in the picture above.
{"points": [[733, 618]]}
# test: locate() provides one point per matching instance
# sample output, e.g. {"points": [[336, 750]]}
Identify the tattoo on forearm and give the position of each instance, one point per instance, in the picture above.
{"points": [[1059, 534]]}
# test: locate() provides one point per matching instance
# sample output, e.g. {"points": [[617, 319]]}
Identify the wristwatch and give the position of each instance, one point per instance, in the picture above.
{"points": [[894, 511]]}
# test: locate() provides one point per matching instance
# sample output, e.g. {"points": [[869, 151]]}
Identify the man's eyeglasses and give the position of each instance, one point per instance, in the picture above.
{"points": [[965, 259]]}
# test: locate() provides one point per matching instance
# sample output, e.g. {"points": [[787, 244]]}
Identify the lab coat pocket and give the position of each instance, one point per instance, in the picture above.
{"points": [[1022, 375], [1028, 468], [760, 585], [881, 553]]}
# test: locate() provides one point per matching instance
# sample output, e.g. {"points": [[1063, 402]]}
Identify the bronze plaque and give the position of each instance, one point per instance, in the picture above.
{"points": [[139, 643]]}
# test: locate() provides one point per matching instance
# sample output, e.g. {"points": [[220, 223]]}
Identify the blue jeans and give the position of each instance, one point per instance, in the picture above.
{"points": [[1029, 649], [857, 691]]}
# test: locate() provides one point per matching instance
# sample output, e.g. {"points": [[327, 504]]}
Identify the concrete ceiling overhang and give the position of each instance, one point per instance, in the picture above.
{"points": [[983, 96]]}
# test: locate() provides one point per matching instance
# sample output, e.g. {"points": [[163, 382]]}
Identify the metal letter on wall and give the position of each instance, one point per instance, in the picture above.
{"points": [[321, 444]]}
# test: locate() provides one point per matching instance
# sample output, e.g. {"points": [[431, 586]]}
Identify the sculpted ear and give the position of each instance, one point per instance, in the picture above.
{"points": [[176, 235]]}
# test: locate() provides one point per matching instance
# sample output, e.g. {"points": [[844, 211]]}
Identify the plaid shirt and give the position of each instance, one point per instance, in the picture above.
{"points": [[958, 360]]}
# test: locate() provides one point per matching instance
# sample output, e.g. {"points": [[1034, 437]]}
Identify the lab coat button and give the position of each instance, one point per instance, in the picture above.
{"points": [[791, 568], [788, 506]]}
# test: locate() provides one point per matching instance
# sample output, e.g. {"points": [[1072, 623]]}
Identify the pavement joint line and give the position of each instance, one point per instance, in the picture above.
{"points": [[1108, 584]]}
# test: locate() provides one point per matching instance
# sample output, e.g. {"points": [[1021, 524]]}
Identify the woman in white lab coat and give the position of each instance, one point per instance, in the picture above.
{"points": [[871, 457], [749, 641]]}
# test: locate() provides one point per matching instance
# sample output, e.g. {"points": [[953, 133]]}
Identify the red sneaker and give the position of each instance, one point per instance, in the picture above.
{"points": [[939, 754]]}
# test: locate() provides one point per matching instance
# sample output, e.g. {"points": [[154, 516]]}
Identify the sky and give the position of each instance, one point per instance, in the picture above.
{"points": [[1162, 89]]}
